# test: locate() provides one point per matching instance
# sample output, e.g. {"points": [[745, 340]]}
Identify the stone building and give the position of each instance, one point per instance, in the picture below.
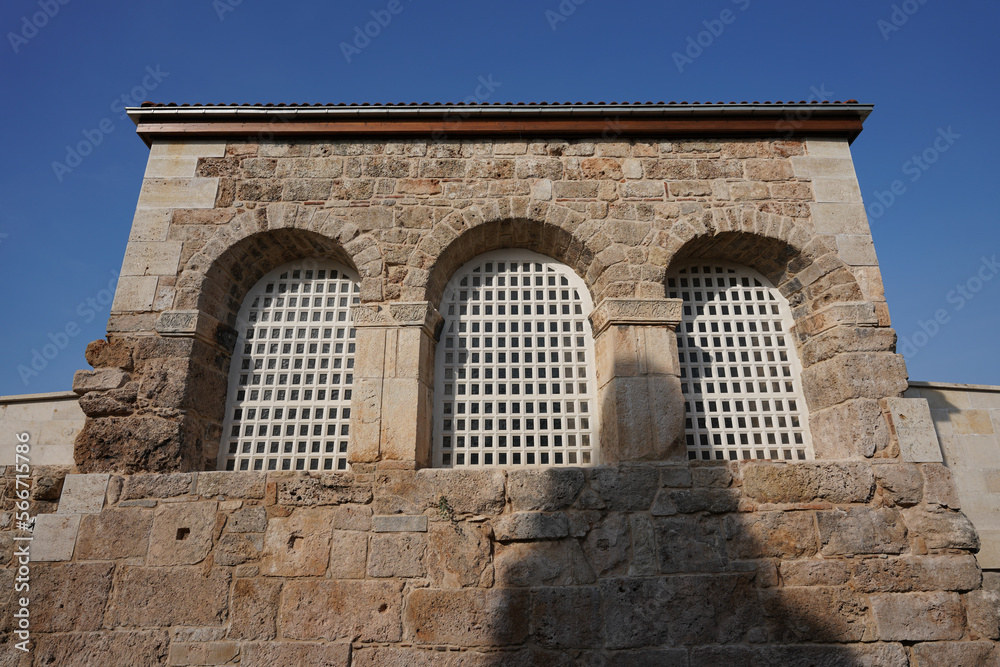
{"points": [[604, 384]]}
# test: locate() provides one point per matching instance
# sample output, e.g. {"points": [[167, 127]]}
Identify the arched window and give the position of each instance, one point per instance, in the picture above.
{"points": [[514, 378], [289, 401], [740, 375]]}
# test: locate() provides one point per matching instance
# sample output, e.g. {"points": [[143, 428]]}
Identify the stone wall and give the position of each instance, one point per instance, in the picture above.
{"points": [[52, 420], [216, 215], [693, 565], [967, 420]]}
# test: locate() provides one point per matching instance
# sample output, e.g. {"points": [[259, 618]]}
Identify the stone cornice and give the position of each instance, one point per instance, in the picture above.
{"points": [[396, 314], [636, 312]]}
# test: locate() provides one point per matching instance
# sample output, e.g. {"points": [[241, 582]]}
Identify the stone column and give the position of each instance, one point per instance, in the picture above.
{"points": [[393, 379], [638, 389]]}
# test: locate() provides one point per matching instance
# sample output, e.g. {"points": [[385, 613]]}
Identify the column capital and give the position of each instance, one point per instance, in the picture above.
{"points": [[397, 314], [636, 312]]}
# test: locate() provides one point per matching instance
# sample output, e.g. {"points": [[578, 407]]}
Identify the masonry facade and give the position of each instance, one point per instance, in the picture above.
{"points": [[846, 545]]}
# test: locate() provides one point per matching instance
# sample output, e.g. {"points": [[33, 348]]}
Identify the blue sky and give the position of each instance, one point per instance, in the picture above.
{"points": [[928, 66]]}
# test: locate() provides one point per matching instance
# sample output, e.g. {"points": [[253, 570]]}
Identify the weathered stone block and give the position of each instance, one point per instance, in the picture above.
{"points": [[853, 375], [231, 484], [392, 555], [202, 653], [560, 563], [607, 546], [771, 535], [939, 486], [803, 655], [941, 528], [467, 617], [918, 616], [847, 482], [625, 488], [546, 490], [464, 491], [348, 554], [155, 597], [85, 649], [861, 530], [255, 609], [54, 537], [920, 573], [338, 610], [182, 533], [689, 544], [566, 617], [114, 533], [901, 484], [831, 572], [298, 545], [333, 489], [157, 486], [955, 654], [458, 555], [983, 611], [912, 428], [69, 597], [238, 548], [399, 523], [852, 429], [83, 494], [531, 526], [268, 654], [247, 520], [816, 614], [102, 379]]}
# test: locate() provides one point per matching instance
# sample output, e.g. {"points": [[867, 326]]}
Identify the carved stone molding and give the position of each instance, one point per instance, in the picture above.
{"points": [[636, 312], [397, 314], [197, 325]]}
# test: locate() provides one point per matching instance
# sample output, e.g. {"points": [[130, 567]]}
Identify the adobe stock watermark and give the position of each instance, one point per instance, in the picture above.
{"points": [[898, 17], [58, 340], [914, 168], [697, 44], [363, 36], [30, 25], [223, 7], [22, 552], [75, 153], [910, 346], [484, 91], [792, 120], [562, 12]]}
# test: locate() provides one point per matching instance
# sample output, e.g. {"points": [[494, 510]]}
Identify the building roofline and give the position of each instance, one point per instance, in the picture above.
{"points": [[438, 121]]}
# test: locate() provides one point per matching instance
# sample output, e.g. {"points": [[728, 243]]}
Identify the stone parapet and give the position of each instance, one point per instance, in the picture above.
{"points": [[681, 563]]}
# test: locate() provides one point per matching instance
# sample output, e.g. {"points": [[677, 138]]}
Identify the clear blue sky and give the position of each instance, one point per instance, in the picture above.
{"points": [[62, 241]]}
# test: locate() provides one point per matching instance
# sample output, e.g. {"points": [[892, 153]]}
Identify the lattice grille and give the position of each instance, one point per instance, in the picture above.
{"points": [[514, 377], [289, 403], [739, 371]]}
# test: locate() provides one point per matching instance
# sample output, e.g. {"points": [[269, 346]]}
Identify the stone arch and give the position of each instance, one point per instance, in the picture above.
{"points": [[847, 356], [447, 249], [214, 281]]}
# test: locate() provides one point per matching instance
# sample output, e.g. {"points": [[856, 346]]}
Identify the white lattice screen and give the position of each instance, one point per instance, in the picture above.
{"points": [[289, 402], [739, 372], [514, 376]]}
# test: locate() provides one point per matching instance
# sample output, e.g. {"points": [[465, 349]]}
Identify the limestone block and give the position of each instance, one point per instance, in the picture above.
{"points": [[154, 597], [818, 168], [348, 554], [625, 488], [365, 611], [326, 489], [941, 528], [54, 537], [837, 190], [202, 653], [939, 486], [912, 429], [397, 555], [846, 482], [689, 544], [83, 494], [544, 563], [828, 148], [857, 249], [861, 530], [566, 617], [351, 517], [915, 573], [673, 611], [544, 490], [171, 167], [103, 379], [114, 533], [157, 486], [645, 560], [254, 609], [983, 611], [861, 655], [458, 555], [464, 491], [188, 148], [178, 193], [84, 649], [607, 546], [831, 218], [467, 617], [247, 520], [831, 572], [270, 653], [182, 533], [675, 476], [918, 616], [901, 483], [69, 597], [134, 293], [231, 484], [298, 545], [399, 523], [932, 654], [715, 501], [238, 548], [531, 526], [853, 375], [822, 614], [771, 535]]}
